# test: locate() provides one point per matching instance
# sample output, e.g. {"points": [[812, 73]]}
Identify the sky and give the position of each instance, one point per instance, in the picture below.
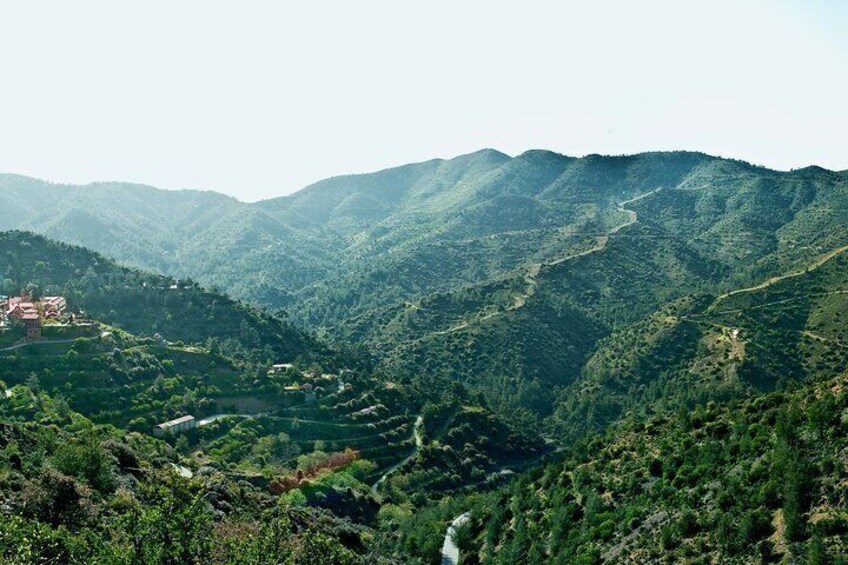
{"points": [[258, 99]]}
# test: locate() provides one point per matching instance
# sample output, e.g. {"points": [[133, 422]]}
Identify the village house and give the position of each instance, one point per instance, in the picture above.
{"points": [[19, 306], [31, 312], [54, 306], [175, 426], [49, 306], [32, 323]]}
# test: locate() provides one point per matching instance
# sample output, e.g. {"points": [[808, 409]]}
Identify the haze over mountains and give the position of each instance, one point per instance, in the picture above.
{"points": [[504, 273], [482, 203]]}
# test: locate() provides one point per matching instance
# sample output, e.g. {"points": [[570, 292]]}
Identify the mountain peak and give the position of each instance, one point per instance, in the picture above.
{"points": [[485, 152]]}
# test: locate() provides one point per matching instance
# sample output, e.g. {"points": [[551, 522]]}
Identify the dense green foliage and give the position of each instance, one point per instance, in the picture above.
{"points": [[74, 492], [761, 480], [503, 273], [147, 304], [287, 478], [636, 312], [703, 348]]}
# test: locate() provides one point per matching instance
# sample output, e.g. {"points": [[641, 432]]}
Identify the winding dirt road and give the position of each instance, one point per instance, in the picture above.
{"points": [[419, 441], [767, 283], [530, 277]]}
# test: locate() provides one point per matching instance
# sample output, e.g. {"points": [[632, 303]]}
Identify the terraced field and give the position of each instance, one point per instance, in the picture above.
{"points": [[331, 424], [256, 425], [115, 377]]}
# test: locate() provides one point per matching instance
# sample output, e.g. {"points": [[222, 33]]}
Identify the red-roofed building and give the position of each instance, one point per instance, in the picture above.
{"points": [[54, 305], [48, 307], [32, 312], [19, 309]]}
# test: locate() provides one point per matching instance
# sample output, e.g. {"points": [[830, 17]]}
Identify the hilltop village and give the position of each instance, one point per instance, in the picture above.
{"points": [[33, 313]]}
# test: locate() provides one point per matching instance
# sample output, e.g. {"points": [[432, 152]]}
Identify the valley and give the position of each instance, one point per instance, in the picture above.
{"points": [[458, 283], [387, 362]]}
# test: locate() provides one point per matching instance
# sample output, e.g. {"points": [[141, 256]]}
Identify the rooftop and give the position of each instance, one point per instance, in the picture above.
{"points": [[176, 421]]}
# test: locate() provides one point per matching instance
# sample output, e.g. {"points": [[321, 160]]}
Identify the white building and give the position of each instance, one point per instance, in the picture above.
{"points": [[175, 426]]}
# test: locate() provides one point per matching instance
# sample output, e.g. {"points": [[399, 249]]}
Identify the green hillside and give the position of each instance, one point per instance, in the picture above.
{"points": [[196, 234], [524, 339], [276, 462], [161, 348], [147, 304], [705, 347], [751, 482], [75, 492], [668, 326], [504, 273]]}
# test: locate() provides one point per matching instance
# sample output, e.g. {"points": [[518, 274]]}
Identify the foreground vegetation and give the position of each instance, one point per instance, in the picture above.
{"points": [[755, 481], [268, 476], [75, 492]]}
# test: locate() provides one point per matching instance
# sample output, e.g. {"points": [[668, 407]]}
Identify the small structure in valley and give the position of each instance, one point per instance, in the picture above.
{"points": [[54, 306], [175, 426], [365, 411]]}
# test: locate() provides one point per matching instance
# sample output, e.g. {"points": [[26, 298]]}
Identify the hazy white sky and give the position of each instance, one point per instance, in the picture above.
{"points": [[258, 99]]}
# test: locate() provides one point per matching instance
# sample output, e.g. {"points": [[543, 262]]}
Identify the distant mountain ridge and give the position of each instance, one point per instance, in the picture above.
{"points": [[162, 229], [424, 264]]}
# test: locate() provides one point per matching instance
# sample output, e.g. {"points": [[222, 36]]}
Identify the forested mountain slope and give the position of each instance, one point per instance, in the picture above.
{"points": [[702, 348], [491, 301], [761, 481], [532, 331], [291, 463], [182, 233], [362, 233], [148, 304], [503, 273]]}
